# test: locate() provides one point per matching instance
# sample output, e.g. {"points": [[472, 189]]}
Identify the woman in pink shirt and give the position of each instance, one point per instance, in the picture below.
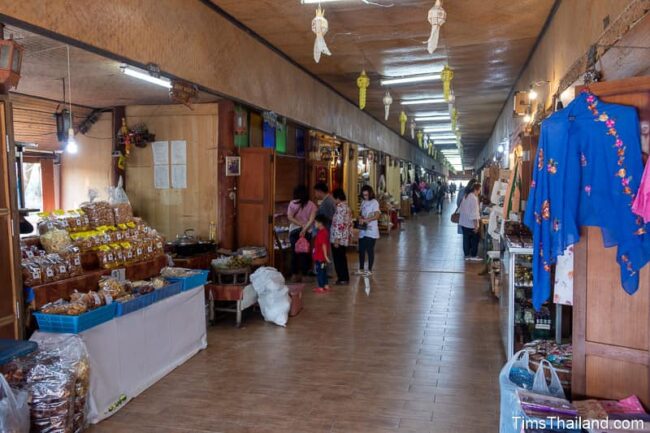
{"points": [[301, 214]]}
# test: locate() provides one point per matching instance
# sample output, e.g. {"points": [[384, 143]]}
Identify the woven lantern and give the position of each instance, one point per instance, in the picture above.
{"points": [[387, 101], [402, 122], [412, 125], [454, 119], [363, 82], [420, 136], [319, 26], [447, 75], [437, 17]]}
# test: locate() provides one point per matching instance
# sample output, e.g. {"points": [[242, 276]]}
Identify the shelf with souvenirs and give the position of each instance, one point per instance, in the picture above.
{"points": [[520, 322]]}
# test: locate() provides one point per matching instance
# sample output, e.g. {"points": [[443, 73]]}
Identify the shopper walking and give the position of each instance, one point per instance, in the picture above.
{"points": [[301, 214], [469, 223], [321, 254], [368, 229], [441, 193], [340, 236]]}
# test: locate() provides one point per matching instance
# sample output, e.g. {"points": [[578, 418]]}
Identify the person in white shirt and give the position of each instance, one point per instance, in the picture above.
{"points": [[469, 222], [369, 229]]}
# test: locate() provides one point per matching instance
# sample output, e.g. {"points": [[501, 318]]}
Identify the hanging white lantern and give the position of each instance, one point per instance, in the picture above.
{"points": [[412, 125], [437, 17], [387, 101], [319, 26]]}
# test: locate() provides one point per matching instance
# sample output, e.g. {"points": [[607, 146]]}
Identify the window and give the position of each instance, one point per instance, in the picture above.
{"points": [[33, 190]]}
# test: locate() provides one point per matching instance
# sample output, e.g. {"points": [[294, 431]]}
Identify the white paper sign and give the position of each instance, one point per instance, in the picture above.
{"points": [[179, 152], [160, 152], [179, 176], [161, 176]]}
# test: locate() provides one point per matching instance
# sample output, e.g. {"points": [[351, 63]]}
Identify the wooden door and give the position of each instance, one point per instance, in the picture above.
{"points": [[611, 329], [10, 277], [255, 199]]}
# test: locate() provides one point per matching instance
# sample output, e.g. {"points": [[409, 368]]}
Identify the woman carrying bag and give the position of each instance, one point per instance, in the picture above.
{"points": [[301, 214]]}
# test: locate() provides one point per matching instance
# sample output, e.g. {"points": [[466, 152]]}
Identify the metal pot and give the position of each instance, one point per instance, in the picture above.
{"points": [[186, 244]]}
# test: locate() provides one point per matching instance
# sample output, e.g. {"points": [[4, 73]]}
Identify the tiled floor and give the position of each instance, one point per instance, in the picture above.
{"points": [[417, 352]]}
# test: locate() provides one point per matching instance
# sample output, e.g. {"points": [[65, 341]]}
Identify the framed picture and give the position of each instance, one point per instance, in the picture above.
{"points": [[233, 166]]}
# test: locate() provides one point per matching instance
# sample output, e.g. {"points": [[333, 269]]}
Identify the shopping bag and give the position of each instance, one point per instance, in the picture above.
{"points": [[14, 409], [541, 386], [302, 245], [516, 374]]}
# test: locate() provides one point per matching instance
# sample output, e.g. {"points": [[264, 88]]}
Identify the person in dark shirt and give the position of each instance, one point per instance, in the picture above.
{"points": [[327, 207]]}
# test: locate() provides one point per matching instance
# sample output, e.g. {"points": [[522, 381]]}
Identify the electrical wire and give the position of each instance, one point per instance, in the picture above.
{"points": [[69, 88]]}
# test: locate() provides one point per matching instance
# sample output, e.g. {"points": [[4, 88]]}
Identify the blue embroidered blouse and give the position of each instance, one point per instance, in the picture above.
{"points": [[587, 172]]}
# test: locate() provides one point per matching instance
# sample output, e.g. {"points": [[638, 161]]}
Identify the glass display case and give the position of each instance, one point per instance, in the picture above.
{"points": [[520, 323]]}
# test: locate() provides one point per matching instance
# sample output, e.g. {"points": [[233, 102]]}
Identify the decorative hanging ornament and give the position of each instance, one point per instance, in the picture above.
{"points": [[437, 17], [402, 122], [362, 83], [412, 125], [454, 119], [387, 101], [319, 26], [447, 75], [420, 136]]}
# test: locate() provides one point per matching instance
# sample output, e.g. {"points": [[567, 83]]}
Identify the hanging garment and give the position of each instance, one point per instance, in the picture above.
{"points": [[499, 190], [587, 174], [512, 200], [641, 205], [563, 289]]}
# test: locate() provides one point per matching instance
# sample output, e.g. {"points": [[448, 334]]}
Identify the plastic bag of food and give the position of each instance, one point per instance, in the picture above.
{"points": [[72, 257], [77, 221], [60, 267], [111, 288], [100, 213], [128, 252], [55, 240], [118, 199], [31, 273], [105, 257], [48, 273], [14, 409], [50, 221]]}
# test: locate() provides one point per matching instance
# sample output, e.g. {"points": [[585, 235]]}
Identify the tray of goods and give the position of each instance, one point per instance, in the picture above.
{"points": [[189, 278], [64, 320], [145, 293]]}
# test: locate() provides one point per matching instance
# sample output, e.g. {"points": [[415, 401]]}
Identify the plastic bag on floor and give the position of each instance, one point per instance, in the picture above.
{"points": [[514, 375], [14, 409], [273, 295], [540, 384]]}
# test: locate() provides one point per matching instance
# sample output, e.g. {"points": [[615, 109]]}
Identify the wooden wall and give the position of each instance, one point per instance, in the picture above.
{"points": [[90, 167], [172, 211]]}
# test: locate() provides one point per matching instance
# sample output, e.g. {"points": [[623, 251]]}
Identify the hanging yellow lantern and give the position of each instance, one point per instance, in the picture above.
{"points": [[420, 136], [446, 75], [430, 147], [363, 82], [454, 119], [402, 122]]}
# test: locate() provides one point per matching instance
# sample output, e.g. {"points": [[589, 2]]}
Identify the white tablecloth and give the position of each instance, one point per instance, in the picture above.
{"points": [[130, 353]]}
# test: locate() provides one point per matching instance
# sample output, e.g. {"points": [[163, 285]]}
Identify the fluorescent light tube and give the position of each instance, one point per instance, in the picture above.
{"points": [[423, 101], [142, 75], [441, 137], [412, 79], [431, 118], [435, 128], [310, 2]]}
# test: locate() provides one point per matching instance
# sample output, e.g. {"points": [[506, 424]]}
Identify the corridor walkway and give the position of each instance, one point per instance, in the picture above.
{"points": [[418, 352]]}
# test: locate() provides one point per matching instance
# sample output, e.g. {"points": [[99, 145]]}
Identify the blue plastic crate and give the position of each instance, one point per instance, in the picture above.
{"points": [[134, 304], [188, 283], [10, 349], [75, 324], [170, 289]]}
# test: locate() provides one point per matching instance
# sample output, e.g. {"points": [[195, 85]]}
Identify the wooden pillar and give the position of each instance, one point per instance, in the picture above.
{"points": [[119, 113], [226, 210]]}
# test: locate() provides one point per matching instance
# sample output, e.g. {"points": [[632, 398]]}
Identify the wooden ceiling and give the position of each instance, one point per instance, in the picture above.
{"points": [[486, 43], [96, 81]]}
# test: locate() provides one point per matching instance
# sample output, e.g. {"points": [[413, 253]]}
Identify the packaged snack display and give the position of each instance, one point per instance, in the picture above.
{"points": [[65, 308], [100, 213], [72, 257], [123, 213], [60, 268], [55, 240], [106, 257], [128, 252], [31, 273], [112, 288], [77, 221], [48, 273], [50, 222]]}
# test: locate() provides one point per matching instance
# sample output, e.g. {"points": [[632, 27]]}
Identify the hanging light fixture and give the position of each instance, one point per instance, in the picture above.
{"points": [[402, 122], [319, 26], [11, 58], [420, 137], [437, 17], [363, 82], [387, 101], [146, 76], [412, 125], [71, 144]]}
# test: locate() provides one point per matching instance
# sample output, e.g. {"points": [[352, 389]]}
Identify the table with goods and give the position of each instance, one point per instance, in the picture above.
{"points": [[100, 273], [520, 323]]}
